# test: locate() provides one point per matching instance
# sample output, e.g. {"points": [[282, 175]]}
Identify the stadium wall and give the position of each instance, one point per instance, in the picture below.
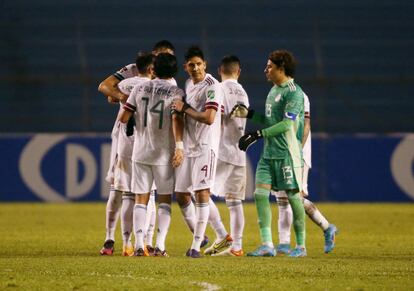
{"points": [[72, 167]]}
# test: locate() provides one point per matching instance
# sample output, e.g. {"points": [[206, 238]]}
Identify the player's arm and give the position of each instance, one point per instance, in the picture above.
{"points": [[242, 111], [292, 109], [178, 129], [109, 88], [129, 107], [306, 128], [206, 116]]}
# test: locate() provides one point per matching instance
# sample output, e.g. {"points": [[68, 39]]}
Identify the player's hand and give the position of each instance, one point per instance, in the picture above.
{"points": [[241, 111], [248, 139], [178, 158], [177, 105], [112, 100]]}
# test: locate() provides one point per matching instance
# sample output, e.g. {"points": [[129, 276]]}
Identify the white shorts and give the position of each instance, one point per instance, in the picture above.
{"points": [[112, 159], [123, 174], [144, 176], [230, 181], [305, 174], [196, 173]]}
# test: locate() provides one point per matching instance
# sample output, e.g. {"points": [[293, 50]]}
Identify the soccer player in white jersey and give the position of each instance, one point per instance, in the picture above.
{"points": [[109, 87], [230, 180], [123, 167], [285, 211], [153, 148], [201, 125]]}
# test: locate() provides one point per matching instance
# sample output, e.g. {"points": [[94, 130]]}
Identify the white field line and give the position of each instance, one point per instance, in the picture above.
{"points": [[207, 286]]}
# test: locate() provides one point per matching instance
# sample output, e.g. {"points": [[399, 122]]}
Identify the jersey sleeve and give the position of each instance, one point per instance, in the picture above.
{"points": [[306, 105], [126, 72], [126, 85], [131, 103], [294, 105], [214, 97]]}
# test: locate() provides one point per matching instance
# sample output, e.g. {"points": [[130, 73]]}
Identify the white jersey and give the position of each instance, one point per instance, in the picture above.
{"points": [[206, 94], [307, 147], [126, 143], [154, 142], [126, 72], [233, 128]]}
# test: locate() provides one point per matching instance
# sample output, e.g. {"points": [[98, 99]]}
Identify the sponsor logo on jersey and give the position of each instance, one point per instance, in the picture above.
{"points": [[210, 94], [291, 116]]}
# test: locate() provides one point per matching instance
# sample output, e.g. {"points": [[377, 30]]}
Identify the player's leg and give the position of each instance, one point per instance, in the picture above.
{"points": [[164, 178], [290, 179], [127, 214], [112, 213], [140, 213], [298, 210], [284, 222], [235, 207], [264, 213], [142, 180], [233, 181], [202, 214], [122, 182], [203, 170], [223, 239], [182, 195], [329, 230], [150, 222], [164, 219]]}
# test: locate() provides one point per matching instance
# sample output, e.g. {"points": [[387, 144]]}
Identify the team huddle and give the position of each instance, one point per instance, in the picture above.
{"points": [[192, 143]]}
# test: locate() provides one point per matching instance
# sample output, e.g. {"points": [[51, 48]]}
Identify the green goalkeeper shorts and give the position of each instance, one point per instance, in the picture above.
{"points": [[279, 173]]}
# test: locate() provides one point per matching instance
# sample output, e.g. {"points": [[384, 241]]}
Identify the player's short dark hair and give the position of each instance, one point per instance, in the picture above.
{"points": [[163, 44], [230, 64], [284, 59], [143, 61], [193, 51], [165, 65]]}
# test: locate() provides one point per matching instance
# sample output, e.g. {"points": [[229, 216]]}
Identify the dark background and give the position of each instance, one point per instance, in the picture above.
{"points": [[355, 57]]}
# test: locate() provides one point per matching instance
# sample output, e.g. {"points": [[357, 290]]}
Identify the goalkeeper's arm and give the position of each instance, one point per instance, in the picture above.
{"points": [[278, 128]]}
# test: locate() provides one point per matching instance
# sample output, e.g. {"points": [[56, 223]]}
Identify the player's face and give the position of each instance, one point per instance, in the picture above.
{"points": [[272, 72], [163, 50], [196, 69]]}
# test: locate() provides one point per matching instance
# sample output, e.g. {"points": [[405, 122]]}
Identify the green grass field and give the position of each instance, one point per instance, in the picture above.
{"points": [[55, 247]]}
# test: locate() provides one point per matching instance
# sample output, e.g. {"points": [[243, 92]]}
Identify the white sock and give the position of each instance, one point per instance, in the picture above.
{"points": [[150, 220], [140, 211], [189, 215], [164, 219], [127, 216], [215, 221], [236, 222], [315, 215], [285, 217], [112, 213], [202, 213]]}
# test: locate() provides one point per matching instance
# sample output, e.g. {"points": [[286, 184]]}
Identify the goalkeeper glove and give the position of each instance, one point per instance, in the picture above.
{"points": [[130, 126], [248, 139], [241, 111]]}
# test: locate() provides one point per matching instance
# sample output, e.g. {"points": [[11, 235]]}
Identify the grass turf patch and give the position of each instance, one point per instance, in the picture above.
{"points": [[55, 246]]}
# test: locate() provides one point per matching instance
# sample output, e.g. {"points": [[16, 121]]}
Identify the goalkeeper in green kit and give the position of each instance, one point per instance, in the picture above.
{"points": [[280, 165]]}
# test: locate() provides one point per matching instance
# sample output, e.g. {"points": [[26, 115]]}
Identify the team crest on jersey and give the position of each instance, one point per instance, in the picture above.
{"points": [[277, 98], [210, 94]]}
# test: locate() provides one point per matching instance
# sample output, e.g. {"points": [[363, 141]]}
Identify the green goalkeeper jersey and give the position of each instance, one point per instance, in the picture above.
{"points": [[285, 101]]}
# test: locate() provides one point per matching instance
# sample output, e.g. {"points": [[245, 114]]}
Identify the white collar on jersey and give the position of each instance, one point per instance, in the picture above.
{"points": [[230, 81]]}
